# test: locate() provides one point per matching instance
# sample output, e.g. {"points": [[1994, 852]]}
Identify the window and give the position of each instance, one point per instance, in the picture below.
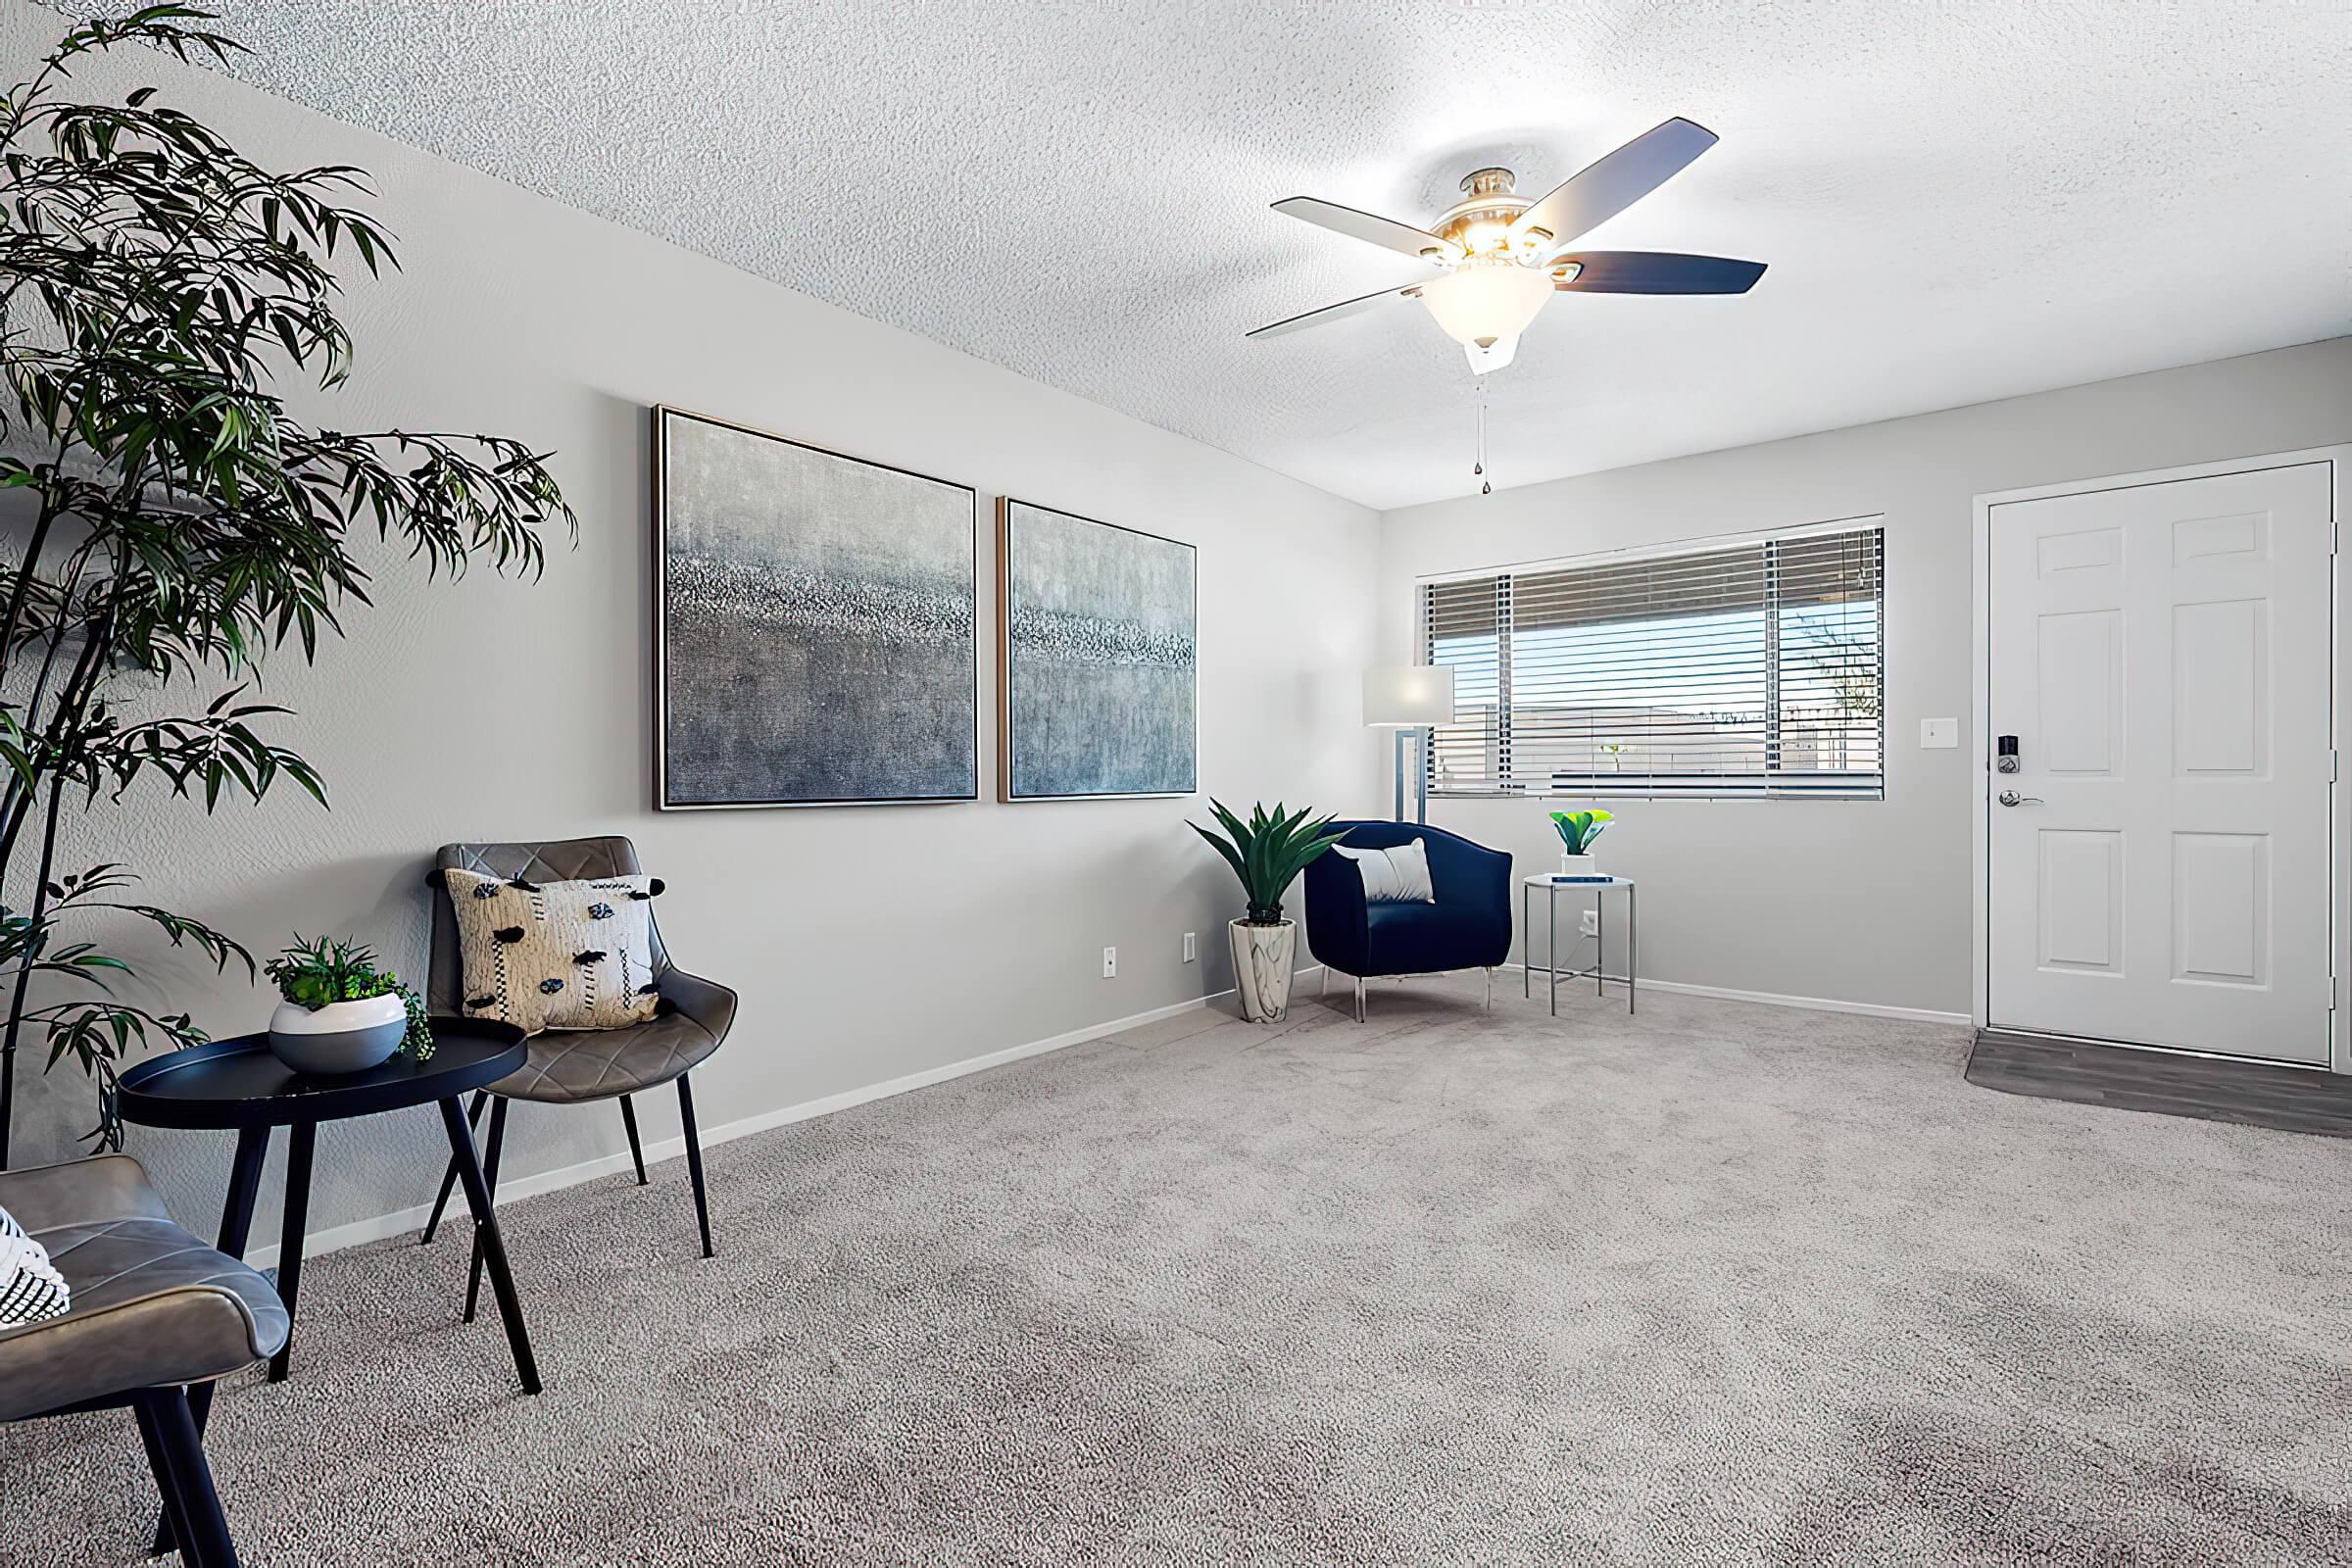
{"points": [[1752, 668]]}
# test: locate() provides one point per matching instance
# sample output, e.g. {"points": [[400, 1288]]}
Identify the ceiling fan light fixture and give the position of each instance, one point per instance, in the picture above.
{"points": [[1483, 306], [1493, 358]]}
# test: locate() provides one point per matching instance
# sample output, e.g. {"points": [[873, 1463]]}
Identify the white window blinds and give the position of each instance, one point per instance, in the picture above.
{"points": [[1752, 668]]}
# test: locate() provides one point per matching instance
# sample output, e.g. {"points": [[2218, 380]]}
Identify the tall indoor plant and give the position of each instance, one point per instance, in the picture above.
{"points": [[1267, 852], [169, 523]]}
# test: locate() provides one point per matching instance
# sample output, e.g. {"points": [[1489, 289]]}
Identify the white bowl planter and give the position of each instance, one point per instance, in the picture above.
{"points": [[1262, 969], [1580, 865], [340, 1036]]}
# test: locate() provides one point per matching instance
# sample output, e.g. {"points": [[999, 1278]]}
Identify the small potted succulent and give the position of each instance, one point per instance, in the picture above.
{"points": [[339, 1013], [1578, 830], [1266, 853]]}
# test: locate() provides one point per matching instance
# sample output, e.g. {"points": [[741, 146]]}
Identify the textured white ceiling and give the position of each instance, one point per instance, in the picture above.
{"points": [[1958, 201]]}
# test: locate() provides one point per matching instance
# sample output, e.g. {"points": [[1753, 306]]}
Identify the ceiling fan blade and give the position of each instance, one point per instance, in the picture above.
{"points": [[1331, 313], [1383, 231], [1603, 189], [1657, 273]]}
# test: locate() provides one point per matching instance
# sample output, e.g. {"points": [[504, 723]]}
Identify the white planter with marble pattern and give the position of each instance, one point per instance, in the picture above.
{"points": [[1262, 969]]}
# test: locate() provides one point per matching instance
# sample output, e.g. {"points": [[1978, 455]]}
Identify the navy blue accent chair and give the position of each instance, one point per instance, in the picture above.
{"points": [[1469, 927]]}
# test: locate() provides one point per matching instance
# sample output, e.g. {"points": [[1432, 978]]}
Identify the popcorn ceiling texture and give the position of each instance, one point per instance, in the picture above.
{"points": [[1959, 201]]}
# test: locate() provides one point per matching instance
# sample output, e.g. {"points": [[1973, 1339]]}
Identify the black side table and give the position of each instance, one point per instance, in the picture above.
{"points": [[237, 1083]]}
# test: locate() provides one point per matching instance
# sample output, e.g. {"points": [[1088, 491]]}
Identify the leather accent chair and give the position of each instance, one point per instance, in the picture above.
{"points": [[153, 1310], [1469, 927], [571, 1066]]}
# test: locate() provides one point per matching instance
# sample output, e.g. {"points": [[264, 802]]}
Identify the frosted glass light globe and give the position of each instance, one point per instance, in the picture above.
{"points": [[1481, 304]]}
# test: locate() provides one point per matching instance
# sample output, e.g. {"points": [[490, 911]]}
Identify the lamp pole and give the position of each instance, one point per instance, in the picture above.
{"points": [[1409, 699]]}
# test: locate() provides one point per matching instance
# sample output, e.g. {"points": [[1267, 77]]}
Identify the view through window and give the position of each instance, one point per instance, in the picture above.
{"points": [[1752, 668]]}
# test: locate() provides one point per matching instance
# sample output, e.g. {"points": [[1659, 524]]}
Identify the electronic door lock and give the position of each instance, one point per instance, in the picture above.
{"points": [[2005, 755]]}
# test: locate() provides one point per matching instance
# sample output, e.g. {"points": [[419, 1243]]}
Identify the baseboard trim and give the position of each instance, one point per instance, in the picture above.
{"points": [[1777, 998], [513, 1189]]}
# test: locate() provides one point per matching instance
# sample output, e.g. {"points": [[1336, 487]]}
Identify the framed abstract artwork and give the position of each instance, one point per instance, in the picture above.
{"points": [[813, 625], [1097, 689]]}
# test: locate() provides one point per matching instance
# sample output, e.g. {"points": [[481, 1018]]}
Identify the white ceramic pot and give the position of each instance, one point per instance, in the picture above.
{"points": [[1262, 969], [1580, 865], [340, 1036]]}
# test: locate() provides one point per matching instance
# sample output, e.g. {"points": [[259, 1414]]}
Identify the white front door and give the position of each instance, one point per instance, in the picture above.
{"points": [[2160, 653]]}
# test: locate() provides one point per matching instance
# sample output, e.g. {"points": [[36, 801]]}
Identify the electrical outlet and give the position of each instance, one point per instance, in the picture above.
{"points": [[1192, 948], [1588, 923], [1110, 963]]}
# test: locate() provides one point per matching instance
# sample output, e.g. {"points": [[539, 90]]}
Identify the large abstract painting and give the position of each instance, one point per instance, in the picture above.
{"points": [[816, 624], [1096, 689]]}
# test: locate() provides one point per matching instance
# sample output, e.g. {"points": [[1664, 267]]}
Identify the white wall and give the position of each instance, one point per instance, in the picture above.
{"points": [[1863, 902], [868, 943]]}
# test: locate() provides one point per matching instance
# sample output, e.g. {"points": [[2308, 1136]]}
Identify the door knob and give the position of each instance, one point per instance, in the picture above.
{"points": [[2012, 798]]}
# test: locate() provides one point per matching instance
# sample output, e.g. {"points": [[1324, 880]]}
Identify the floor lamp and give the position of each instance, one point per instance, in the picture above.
{"points": [[1408, 699]]}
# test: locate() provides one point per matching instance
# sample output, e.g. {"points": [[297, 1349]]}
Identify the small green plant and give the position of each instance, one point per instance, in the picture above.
{"points": [[1268, 852], [317, 974], [1578, 829]]}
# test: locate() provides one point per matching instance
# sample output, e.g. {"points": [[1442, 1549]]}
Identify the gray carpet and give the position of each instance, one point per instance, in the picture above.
{"points": [[1721, 1285]]}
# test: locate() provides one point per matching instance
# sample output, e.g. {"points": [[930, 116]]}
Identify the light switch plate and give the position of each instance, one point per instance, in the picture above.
{"points": [[1938, 734]]}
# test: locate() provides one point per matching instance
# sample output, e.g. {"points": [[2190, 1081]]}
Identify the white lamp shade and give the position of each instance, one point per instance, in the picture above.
{"points": [[1408, 696], [1485, 302]]}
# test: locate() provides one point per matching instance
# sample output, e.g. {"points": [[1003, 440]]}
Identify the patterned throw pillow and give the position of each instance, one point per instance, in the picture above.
{"points": [[556, 954], [30, 1289]]}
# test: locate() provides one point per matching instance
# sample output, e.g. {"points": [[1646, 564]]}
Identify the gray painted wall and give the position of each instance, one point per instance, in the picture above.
{"points": [[1851, 900], [869, 943]]}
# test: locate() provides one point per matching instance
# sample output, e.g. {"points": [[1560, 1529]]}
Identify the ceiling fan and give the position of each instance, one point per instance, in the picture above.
{"points": [[1505, 256]]}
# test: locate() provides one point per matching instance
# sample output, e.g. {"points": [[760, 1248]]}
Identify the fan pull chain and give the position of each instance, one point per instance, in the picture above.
{"points": [[1477, 468]]}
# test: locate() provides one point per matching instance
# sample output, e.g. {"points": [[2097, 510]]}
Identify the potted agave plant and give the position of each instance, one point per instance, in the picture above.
{"points": [[1267, 852], [1578, 830], [339, 1013]]}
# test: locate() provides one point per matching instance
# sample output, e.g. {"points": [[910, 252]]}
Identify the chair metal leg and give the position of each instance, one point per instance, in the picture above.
{"points": [[174, 1527], [449, 1175], [237, 1228], [629, 1120], [694, 1161], [1323, 986], [184, 1479], [1359, 999], [498, 1141], [1489, 989]]}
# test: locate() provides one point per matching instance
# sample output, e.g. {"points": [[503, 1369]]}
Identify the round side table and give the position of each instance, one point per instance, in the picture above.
{"points": [[239, 1084], [1553, 886]]}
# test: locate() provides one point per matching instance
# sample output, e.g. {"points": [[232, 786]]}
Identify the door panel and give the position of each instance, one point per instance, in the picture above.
{"points": [[2082, 901], [2162, 652], [2081, 674], [2221, 688]]}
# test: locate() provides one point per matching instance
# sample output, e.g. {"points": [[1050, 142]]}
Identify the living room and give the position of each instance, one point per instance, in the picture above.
{"points": [[808, 1093]]}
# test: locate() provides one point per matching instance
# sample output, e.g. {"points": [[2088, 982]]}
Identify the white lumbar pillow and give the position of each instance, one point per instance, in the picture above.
{"points": [[1394, 876], [31, 1287]]}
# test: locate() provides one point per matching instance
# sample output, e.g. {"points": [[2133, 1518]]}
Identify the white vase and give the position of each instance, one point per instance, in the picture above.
{"points": [[1262, 969], [340, 1036], [1579, 866]]}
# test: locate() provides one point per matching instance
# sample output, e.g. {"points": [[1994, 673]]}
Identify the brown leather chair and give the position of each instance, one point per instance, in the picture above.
{"points": [[153, 1310], [576, 1065]]}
